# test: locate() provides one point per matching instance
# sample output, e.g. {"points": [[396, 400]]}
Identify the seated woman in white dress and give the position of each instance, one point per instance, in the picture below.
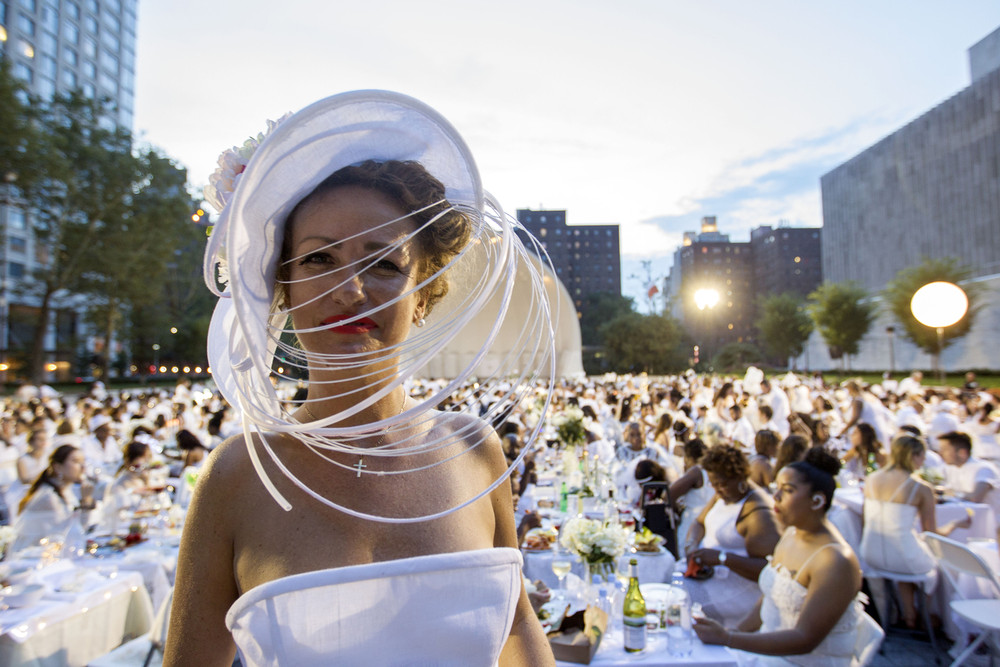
{"points": [[735, 534], [894, 498], [809, 611], [366, 527], [50, 504]]}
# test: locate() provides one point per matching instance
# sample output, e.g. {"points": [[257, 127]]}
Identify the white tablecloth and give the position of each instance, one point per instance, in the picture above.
{"points": [[611, 652], [653, 568], [156, 565], [74, 628], [983, 519]]}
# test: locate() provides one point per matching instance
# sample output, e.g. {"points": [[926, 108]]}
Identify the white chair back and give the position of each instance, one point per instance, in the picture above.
{"points": [[956, 558], [870, 637]]}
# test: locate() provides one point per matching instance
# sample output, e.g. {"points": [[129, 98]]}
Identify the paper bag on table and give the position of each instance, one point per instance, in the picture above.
{"points": [[579, 636]]}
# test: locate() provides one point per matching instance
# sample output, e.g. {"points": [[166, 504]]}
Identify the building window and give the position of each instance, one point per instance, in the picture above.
{"points": [[23, 72], [16, 219], [90, 48], [108, 61], [89, 91], [543, 232], [542, 218], [89, 69], [71, 33], [90, 23], [25, 25], [15, 270], [70, 57], [18, 245], [69, 79], [46, 87], [72, 10]]}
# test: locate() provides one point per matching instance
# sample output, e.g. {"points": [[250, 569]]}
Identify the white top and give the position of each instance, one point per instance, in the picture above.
{"points": [[441, 609]]}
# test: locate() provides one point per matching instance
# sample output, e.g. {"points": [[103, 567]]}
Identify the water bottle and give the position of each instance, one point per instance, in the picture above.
{"points": [[679, 641]]}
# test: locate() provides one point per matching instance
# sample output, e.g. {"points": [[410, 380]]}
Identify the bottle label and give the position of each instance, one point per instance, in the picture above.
{"points": [[635, 634]]}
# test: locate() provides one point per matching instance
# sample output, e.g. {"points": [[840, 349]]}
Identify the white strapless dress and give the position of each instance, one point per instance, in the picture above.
{"points": [[783, 600], [441, 609]]}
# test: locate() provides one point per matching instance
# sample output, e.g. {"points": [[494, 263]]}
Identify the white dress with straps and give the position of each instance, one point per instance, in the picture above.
{"points": [[442, 609]]}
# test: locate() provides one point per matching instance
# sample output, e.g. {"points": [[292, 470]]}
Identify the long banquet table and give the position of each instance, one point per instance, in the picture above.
{"points": [[84, 616], [610, 653]]}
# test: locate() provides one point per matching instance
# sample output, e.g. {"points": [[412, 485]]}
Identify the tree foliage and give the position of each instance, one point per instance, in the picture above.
{"points": [[784, 326], [106, 219], [736, 357], [900, 290], [842, 315], [599, 308], [636, 343]]}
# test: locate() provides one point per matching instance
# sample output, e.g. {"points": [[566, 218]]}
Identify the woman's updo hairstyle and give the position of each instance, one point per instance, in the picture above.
{"points": [[414, 189], [819, 468]]}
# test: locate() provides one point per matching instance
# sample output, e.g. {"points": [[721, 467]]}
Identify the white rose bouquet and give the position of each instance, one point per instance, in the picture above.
{"points": [[570, 427], [599, 544]]}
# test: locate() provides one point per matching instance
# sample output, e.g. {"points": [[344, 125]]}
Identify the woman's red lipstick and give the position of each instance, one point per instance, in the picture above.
{"points": [[363, 325]]}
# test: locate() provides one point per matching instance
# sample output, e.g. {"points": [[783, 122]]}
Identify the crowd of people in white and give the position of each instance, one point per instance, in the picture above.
{"points": [[734, 451]]}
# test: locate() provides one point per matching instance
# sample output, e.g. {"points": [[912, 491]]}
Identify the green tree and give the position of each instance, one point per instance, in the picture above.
{"points": [[129, 256], [736, 357], [19, 140], [638, 343], [784, 326], [90, 176], [597, 309], [900, 290], [842, 315]]}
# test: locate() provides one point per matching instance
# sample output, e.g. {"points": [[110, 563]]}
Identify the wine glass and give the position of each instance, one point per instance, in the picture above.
{"points": [[562, 564]]}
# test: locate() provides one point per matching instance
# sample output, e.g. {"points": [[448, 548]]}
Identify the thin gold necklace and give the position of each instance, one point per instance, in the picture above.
{"points": [[360, 465]]}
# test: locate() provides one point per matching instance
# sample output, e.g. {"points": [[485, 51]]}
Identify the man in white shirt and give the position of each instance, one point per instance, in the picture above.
{"points": [[967, 477], [741, 431], [100, 447], [910, 385], [781, 408]]}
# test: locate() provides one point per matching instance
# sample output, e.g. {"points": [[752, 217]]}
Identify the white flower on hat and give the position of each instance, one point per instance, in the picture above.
{"points": [[98, 421], [232, 163]]}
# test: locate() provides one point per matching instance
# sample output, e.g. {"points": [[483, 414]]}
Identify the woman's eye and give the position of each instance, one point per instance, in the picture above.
{"points": [[386, 265], [316, 258]]}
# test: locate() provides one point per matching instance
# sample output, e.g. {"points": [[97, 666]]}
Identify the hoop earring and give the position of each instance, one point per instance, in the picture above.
{"points": [[818, 501]]}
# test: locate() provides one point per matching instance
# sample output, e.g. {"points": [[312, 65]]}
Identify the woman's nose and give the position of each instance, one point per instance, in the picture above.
{"points": [[349, 291]]}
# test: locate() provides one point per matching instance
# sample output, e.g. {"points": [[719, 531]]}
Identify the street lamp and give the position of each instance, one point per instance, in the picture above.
{"points": [[891, 332], [938, 305], [705, 299]]}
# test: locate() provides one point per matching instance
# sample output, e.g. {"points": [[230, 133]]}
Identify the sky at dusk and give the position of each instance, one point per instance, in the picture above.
{"points": [[647, 113]]}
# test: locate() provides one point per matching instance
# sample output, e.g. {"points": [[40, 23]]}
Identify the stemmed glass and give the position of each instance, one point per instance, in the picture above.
{"points": [[562, 564]]}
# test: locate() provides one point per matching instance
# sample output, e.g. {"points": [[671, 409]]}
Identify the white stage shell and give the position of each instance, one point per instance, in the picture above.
{"points": [[462, 349]]}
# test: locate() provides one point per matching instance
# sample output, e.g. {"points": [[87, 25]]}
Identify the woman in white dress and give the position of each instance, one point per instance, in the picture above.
{"points": [[366, 527], [894, 498], [809, 611], [734, 534]]}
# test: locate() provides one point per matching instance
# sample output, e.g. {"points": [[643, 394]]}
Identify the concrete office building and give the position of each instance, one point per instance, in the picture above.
{"points": [[57, 46], [931, 189]]}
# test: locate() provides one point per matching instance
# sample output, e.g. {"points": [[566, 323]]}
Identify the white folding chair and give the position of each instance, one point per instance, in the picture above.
{"points": [[870, 636], [955, 558], [921, 581], [144, 646]]}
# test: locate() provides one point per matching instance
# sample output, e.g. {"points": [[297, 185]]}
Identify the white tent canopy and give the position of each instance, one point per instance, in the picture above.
{"points": [[461, 350]]}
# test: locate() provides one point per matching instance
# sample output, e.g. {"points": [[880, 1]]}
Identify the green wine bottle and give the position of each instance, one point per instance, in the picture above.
{"points": [[634, 611]]}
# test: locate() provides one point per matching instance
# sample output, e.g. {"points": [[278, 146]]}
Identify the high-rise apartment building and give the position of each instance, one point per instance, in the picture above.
{"points": [[586, 258], [787, 259], [709, 263], [715, 285], [57, 46]]}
